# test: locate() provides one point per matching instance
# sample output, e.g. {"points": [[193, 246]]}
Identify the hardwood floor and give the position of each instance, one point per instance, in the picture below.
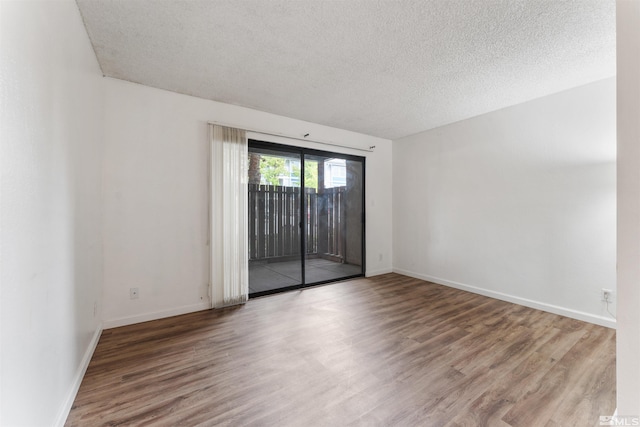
{"points": [[384, 351]]}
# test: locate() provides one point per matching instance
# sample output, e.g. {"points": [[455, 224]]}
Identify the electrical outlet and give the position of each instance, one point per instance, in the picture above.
{"points": [[606, 295], [133, 293]]}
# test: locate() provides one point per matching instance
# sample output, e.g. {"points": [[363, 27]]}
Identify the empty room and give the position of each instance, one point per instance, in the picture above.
{"points": [[320, 213]]}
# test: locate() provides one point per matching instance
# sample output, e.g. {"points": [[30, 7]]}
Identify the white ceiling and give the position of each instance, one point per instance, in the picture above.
{"points": [[383, 68]]}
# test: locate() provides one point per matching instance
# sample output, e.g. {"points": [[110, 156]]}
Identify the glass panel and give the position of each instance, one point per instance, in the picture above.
{"points": [[274, 220], [334, 231]]}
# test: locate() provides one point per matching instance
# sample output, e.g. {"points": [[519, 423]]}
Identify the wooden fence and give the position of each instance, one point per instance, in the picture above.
{"points": [[275, 221]]}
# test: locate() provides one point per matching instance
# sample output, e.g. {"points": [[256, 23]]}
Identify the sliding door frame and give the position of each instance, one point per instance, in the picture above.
{"points": [[302, 152]]}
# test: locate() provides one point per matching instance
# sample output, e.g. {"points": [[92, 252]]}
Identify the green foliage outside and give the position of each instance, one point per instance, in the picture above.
{"points": [[310, 174], [273, 168]]}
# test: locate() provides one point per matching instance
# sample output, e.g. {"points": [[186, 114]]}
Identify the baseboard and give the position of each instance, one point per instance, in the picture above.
{"points": [[145, 317], [562, 311], [378, 272], [77, 379]]}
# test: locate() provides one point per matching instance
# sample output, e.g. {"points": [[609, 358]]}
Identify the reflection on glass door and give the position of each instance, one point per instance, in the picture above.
{"points": [[305, 217], [334, 211]]}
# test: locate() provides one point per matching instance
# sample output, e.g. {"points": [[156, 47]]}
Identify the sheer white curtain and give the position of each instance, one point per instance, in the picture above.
{"points": [[229, 256]]}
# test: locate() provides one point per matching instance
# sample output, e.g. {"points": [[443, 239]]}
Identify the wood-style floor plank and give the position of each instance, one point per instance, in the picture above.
{"points": [[384, 351]]}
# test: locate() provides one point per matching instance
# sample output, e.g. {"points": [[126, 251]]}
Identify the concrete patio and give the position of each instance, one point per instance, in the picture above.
{"points": [[267, 276]]}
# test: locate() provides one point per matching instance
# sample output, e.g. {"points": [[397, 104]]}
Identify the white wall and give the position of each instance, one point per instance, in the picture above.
{"points": [[50, 252], [628, 331], [518, 204], [155, 188]]}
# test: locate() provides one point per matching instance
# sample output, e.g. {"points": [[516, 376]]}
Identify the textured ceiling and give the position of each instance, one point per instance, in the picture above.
{"points": [[383, 68]]}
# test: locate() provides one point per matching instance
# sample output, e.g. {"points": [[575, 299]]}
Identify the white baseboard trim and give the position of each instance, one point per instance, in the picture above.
{"points": [[155, 315], [77, 379], [378, 272], [562, 311]]}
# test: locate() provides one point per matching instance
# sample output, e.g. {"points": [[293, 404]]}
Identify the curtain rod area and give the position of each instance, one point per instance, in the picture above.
{"points": [[299, 138]]}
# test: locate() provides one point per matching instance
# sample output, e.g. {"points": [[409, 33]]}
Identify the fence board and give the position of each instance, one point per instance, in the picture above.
{"points": [[295, 226], [274, 221], [262, 229], [252, 221], [271, 250]]}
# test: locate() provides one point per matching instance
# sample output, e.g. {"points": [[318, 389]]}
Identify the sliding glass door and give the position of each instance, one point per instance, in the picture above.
{"points": [[306, 217]]}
